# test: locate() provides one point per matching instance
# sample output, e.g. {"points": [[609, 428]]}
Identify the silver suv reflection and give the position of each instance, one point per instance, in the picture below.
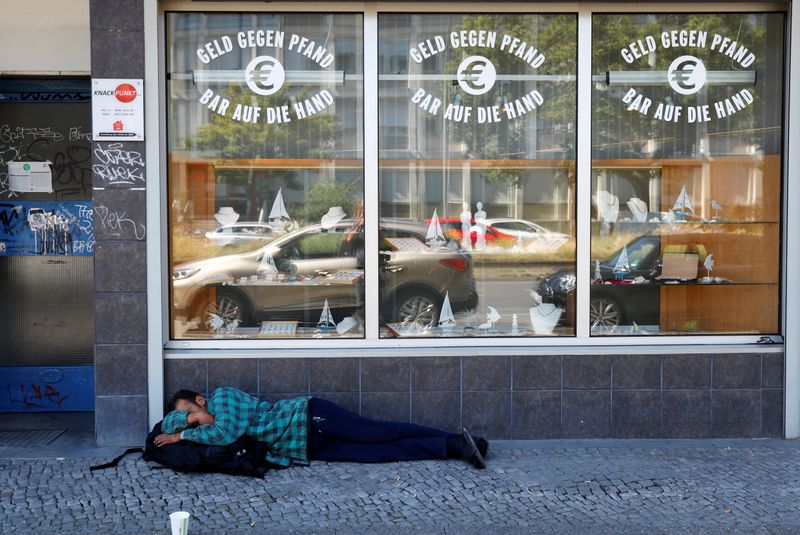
{"points": [[412, 282]]}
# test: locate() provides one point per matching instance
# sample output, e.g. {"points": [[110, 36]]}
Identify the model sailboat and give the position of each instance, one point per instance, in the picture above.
{"points": [[278, 212], [446, 319], [622, 266], [435, 237], [683, 205], [326, 322], [492, 317]]}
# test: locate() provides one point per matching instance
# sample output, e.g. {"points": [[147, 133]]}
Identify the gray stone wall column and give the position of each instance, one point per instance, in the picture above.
{"points": [[117, 30]]}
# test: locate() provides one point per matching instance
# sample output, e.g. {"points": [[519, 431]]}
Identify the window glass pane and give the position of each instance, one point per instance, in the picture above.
{"points": [[477, 148], [686, 173], [266, 174]]}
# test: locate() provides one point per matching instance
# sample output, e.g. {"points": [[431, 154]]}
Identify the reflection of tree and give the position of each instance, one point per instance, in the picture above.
{"points": [[326, 193], [618, 133], [312, 137], [253, 190], [555, 37]]}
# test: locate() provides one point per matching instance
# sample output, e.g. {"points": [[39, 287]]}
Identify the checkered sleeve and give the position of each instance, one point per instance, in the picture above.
{"points": [[286, 432], [232, 409]]}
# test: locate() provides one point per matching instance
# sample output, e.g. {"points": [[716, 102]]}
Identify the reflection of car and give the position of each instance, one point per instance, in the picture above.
{"points": [[451, 226], [615, 304], [529, 232], [413, 282], [240, 233]]}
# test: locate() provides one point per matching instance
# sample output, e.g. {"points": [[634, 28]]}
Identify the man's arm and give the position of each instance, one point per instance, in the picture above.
{"points": [[192, 419], [199, 418], [229, 423]]}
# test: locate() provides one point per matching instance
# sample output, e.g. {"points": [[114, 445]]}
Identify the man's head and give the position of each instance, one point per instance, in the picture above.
{"points": [[187, 400]]}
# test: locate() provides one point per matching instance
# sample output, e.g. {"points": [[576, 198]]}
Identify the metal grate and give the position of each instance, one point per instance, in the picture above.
{"points": [[29, 437]]}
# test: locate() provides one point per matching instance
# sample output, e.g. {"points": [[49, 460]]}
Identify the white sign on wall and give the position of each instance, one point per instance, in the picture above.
{"points": [[30, 177], [117, 109]]}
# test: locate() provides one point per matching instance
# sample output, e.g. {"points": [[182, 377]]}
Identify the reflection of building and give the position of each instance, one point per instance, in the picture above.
{"points": [[294, 162], [444, 164]]}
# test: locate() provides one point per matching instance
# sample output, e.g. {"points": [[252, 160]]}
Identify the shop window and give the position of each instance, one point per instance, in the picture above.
{"points": [[266, 175], [686, 173], [476, 122]]}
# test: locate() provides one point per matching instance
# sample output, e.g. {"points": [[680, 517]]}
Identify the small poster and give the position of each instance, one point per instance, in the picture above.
{"points": [[117, 109], [46, 228], [30, 177]]}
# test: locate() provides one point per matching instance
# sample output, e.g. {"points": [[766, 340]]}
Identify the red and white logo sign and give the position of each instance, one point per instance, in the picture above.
{"points": [[125, 93], [117, 109]]}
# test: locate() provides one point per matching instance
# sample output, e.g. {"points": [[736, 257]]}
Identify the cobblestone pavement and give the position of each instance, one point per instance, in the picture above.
{"points": [[734, 486]]}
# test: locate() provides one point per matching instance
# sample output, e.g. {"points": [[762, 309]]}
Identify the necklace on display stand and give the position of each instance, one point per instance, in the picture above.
{"points": [[544, 318], [638, 209], [607, 206]]}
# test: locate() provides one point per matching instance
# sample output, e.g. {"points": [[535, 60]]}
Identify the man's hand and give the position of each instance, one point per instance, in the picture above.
{"points": [[164, 439]]}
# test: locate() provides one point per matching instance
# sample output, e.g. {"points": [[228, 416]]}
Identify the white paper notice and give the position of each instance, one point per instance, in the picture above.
{"points": [[30, 177], [117, 109]]}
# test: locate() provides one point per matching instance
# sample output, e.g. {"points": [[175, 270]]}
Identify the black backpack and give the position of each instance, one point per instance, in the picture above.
{"points": [[244, 457]]}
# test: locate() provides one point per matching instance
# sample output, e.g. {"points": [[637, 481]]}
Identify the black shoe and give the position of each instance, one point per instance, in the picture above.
{"points": [[471, 452], [483, 446]]}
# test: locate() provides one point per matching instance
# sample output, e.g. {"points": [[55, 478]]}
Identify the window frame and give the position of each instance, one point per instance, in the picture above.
{"points": [[159, 290]]}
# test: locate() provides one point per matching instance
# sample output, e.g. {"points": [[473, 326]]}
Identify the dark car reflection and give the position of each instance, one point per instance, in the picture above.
{"points": [[611, 305], [413, 282]]}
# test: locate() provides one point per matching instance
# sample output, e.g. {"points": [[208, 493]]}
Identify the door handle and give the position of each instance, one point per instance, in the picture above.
{"points": [[395, 269]]}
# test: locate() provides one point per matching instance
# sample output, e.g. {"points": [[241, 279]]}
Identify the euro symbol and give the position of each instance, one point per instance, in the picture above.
{"points": [[264, 75], [686, 75], [476, 75]]}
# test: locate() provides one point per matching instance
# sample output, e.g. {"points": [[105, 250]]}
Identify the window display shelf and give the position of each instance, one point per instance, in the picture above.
{"points": [[683, 283], [682, 224]]}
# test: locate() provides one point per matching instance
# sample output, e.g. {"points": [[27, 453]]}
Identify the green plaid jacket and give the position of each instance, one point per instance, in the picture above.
{"points": [[282, 424]]}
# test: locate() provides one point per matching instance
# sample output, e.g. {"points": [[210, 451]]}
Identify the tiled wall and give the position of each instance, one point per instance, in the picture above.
{"points": [[525, 397], [120, 301]]}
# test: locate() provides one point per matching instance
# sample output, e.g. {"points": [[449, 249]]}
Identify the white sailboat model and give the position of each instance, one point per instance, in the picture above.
{"points": [[446, 319], [622, 266], [326, 322], [279, 213], [683, 206], [435, 237], [492, 317]]}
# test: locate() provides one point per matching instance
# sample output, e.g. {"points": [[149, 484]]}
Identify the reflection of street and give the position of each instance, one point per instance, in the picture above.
{"points": [[509, 295]]}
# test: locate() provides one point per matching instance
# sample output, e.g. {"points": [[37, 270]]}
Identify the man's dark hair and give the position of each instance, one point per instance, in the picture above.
{"points": [[188, 395]]}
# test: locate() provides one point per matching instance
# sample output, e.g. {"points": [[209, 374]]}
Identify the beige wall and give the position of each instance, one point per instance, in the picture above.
{"points": [[44, 36]]}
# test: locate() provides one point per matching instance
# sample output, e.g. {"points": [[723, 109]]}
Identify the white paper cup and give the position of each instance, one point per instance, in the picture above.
{"points": [[179, 520]]}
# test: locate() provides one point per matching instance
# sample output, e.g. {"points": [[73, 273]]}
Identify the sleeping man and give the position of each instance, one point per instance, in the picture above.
{"points": [[303, 429]]}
